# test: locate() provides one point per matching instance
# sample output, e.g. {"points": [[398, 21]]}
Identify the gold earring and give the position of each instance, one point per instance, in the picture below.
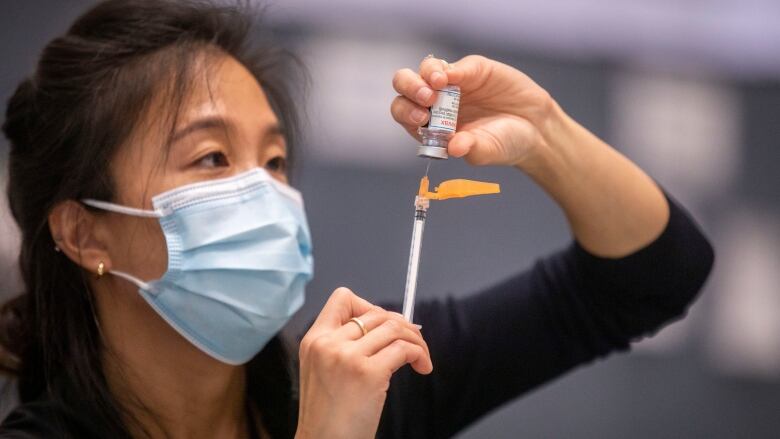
{"points": [[101, 268]]}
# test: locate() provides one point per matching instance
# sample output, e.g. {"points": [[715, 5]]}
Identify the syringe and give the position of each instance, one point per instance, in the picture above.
{"points": [[420, 212], [448, 189], [435, 136]]}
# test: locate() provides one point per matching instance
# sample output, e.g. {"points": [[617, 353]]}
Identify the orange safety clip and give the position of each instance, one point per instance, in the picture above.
{"points": [[459, 188]]}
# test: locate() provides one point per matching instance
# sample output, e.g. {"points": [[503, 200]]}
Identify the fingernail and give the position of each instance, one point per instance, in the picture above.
{"points": [[436, 75], [418, 116], [424, 94], [419, 327]]}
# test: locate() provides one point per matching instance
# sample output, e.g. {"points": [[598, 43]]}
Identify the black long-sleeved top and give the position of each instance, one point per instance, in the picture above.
{"points": [[568, 309]]}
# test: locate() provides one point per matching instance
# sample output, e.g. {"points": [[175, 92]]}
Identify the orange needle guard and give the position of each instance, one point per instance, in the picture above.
{"points": [[459, 188]]}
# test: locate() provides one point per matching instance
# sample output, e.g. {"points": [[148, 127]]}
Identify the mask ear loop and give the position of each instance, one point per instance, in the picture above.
{"points": [[132, 211], [132, 279]]}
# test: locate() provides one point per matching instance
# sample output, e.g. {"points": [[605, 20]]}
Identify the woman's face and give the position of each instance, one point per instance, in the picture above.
{"points": [[224, 128]]}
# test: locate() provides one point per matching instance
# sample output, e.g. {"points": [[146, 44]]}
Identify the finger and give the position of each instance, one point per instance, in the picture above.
{"points": [[371, 319], [401, 352], [386, 333], [413, 131], [469, 72], [461, 144], [408, 113], [408, 83], [478, 150], [342, 305], [434, 71]]}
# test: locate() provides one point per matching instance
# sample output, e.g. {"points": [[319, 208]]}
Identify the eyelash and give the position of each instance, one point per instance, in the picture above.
{"points": [[212, 155], [276, 164]]}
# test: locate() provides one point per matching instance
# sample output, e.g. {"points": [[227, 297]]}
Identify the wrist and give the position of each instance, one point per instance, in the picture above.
{"points": [[568, 157], [555, 149], [334, 427]]}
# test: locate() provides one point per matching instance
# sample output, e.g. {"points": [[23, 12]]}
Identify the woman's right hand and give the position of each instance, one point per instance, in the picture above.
{"points": [[345, 375]]}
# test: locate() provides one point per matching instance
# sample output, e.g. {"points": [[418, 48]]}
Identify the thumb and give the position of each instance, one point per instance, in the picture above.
{"points": [[461, 144], [475, 148], [469, 72]]}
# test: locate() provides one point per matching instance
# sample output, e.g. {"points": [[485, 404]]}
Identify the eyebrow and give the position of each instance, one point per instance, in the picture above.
{"points": [[212, 122]]}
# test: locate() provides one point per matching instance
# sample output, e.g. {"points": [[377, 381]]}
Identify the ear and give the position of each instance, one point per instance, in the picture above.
{"points": [[79, 235]]}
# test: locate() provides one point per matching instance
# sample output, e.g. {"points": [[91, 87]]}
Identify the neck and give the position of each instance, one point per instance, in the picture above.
{"points": [[167, 387], [179, 399]]}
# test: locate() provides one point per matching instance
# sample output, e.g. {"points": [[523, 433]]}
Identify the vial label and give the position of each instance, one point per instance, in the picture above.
{"points": [[444, 112]]}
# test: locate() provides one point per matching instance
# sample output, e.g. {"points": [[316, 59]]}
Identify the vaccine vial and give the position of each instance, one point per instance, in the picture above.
{"points": [[441, 125]]}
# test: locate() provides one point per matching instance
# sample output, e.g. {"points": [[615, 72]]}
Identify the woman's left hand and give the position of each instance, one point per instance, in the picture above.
{"points": [[504, 115]]}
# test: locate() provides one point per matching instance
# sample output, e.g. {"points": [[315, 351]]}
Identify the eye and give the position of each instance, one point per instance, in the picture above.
{"points": [[212, 160], [277, 164]]}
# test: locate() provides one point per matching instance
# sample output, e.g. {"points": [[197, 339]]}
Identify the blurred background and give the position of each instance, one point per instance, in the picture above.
{"points": [[688, 89]]}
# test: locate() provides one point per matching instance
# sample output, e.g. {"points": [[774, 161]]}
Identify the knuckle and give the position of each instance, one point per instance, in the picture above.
{"points": [[342, 293], [305, 346], [474, 58], [396, 316], [412, 350], [398, 115], [393, 325], [399, 345], [397, 80], [375, 312], [543, 100], [400, 78], [397, 104], [478, 64], [397, 320], [360, 370], [320, 347], [430, 64], [344, 357]]}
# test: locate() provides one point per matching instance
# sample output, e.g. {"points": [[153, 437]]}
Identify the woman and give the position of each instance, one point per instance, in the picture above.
{"points": [[162, 249]]}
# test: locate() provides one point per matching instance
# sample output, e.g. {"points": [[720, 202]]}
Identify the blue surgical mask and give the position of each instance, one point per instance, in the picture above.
{"points": [[239, 257]]}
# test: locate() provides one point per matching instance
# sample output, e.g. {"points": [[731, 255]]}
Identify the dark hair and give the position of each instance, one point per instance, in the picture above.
{"points": [[89, 92]]}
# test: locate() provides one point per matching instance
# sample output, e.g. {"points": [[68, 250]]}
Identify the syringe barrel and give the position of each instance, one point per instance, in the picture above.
{"points": [[414, 263]]}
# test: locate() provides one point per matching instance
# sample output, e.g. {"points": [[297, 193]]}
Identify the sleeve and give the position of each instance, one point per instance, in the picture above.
{"points": [[29, 421], [48, 418], [568, 309]]}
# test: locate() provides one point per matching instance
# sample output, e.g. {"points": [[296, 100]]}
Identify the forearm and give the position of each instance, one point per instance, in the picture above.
{"points": [[612, 206]]}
